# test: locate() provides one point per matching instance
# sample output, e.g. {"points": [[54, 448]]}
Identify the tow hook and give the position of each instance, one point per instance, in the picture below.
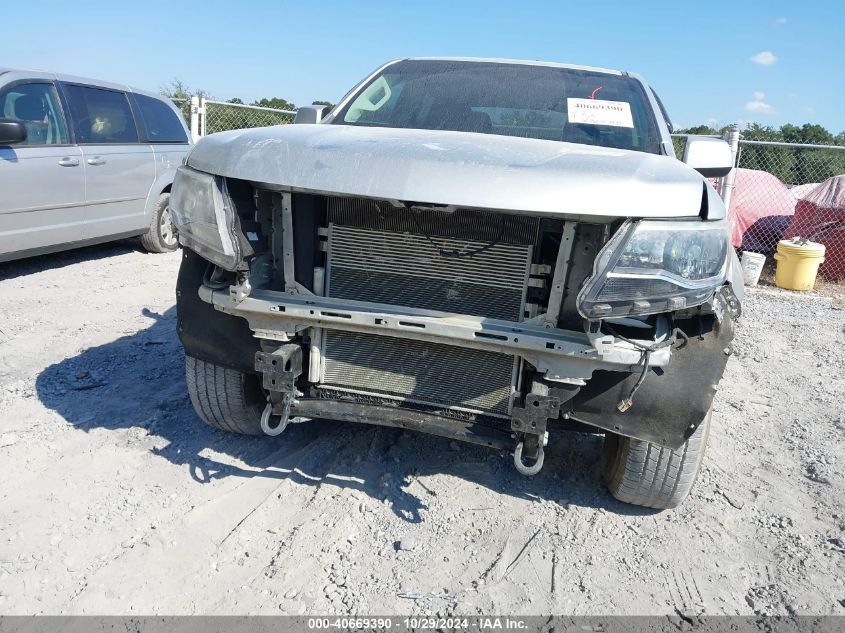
{"points": [[284, 418], [279, 371], [520, 466], [529, 423]]}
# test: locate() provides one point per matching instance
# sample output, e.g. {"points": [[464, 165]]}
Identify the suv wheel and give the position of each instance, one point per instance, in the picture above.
{"points": [[653, 476], [161, 238], [225, 398]]}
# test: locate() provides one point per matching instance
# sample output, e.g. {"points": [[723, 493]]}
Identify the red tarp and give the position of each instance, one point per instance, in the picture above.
{"points": [[761, 206], [820, 215]]}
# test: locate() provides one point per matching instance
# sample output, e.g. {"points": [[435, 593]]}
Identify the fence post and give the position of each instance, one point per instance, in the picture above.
{"points": [[195, 118], [732, 137], [204, 114]]}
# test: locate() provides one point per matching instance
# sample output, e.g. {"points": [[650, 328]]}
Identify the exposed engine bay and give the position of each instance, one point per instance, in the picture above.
{"points": [[459, 322]]}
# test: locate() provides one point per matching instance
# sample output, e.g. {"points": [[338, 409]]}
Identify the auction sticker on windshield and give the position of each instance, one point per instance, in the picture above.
{"points": [[595, 112]]}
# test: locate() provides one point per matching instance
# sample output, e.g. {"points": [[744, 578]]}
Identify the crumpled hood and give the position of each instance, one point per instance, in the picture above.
{"points": [[458, 168]]}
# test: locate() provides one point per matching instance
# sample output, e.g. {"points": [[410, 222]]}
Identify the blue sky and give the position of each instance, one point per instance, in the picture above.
{"points": [[698, 56]]}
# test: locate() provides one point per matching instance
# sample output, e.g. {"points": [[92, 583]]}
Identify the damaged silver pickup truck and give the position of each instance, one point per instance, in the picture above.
{"points": [[492, 251]]}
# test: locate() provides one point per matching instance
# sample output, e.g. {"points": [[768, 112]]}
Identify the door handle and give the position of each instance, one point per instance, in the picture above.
{"points": [[69, 162], [96, 160]]}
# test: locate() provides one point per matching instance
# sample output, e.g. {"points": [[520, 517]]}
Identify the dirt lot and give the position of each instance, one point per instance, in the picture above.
{"points": [[114, 498]]}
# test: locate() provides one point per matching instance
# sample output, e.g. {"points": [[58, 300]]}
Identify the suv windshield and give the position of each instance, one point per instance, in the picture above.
{"points": [[543, 102]]}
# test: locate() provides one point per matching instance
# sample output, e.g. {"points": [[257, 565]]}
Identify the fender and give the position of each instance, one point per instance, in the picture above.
{"points": [[205, 332], [672, 401]]}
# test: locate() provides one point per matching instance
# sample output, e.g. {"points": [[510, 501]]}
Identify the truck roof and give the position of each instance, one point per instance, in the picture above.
{"points": [[523, 62]]}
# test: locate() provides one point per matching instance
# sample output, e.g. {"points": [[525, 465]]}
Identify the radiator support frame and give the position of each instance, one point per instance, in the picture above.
{"points": [[563, 356]]}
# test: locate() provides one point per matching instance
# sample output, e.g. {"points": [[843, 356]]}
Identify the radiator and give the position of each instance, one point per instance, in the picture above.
{"points": [[421, 373], [383, 255]]}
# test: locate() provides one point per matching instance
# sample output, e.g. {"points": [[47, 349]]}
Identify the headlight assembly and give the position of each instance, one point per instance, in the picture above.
{"points": [[205, 218], [650, 267]]}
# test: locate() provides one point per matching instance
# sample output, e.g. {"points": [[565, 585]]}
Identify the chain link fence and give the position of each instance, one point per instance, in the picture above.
{"points": [[221, 115], [785, 191]]}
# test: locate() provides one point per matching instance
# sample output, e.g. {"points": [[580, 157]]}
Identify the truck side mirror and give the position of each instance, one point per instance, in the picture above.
{"points": [[309, 114], [12, 131], [711, 157]]}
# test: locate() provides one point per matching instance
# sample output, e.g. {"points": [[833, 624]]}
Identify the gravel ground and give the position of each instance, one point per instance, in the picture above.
{"points": [[115, 498]]}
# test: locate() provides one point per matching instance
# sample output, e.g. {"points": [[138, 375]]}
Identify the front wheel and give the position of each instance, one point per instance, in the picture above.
{"points": [[161, 238], [225, 398], [650, 475]]}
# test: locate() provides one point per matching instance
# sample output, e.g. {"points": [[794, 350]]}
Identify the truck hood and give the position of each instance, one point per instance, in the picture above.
{"points": [[456, 168]]}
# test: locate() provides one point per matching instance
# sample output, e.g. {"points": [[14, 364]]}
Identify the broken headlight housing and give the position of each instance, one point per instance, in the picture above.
{"points": [[651, 266], [205, 218]]}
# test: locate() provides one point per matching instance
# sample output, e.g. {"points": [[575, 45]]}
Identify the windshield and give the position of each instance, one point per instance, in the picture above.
{"points": [[543, 102]]}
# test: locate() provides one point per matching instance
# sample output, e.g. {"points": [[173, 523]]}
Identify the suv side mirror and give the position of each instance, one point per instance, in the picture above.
{"points": [[711, 157], [309, 114], [12, 131]]}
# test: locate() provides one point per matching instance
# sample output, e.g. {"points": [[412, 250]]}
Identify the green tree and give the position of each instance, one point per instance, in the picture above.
{"points": [[181, 95], [276, 102], [698, 129]]}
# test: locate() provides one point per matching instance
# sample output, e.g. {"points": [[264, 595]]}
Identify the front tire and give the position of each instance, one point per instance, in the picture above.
{"points": [[650, 475], [225, 398], [161, 238]]}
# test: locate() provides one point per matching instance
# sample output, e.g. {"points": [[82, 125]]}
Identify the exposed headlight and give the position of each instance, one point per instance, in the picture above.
{"points": [[204, 217], [650, 267]]}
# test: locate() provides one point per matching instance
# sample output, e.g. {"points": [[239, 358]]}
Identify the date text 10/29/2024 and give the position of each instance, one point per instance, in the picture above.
{"points": [[420, 623]]}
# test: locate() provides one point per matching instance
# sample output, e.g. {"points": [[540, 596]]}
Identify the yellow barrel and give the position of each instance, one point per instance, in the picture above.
{"points": [[798, 263]]}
